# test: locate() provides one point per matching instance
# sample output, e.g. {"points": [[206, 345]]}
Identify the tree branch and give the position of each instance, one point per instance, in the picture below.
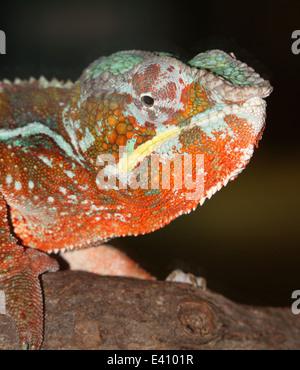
{"points": [[86, 311]]}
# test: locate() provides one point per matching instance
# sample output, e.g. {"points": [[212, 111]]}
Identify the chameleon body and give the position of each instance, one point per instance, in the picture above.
{"points": [[76, 166]]}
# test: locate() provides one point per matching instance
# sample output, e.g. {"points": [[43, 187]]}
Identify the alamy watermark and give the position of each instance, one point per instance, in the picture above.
{"points": [[2, 42], [296, 44], [2, 302], [181, 171], [296, 304]]}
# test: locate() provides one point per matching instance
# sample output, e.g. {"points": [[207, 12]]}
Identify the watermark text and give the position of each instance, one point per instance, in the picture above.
{"points": [[2, 42], [176, 172], [296, 304], [296, 44]]}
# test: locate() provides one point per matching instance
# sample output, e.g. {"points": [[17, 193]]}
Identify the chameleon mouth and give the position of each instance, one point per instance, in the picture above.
{"points": [[129, 161], [254, 107]]}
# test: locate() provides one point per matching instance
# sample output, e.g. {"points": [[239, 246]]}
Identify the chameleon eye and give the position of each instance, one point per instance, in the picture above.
{"points": [[156, 91], [147, 100]]}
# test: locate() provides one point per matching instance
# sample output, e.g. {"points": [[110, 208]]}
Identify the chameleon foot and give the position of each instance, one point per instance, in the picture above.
{"points": [[23, 296], [181, 277]]}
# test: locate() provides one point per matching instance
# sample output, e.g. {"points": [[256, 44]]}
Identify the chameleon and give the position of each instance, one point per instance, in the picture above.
{"points": [[138, 140]]}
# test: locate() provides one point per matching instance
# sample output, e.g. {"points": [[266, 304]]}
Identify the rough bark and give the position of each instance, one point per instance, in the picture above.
{"points": [[85, 311]]}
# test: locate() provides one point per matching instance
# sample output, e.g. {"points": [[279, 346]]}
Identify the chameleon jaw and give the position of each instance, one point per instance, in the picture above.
{"points": [[254, 106]]}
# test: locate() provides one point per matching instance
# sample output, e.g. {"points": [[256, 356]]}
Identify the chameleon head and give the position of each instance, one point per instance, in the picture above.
{"points": [[152, 104]]}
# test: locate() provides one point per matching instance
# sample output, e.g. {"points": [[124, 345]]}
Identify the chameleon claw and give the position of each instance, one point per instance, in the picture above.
{"points": [[24, 344], [27, 343], [29, 340]]}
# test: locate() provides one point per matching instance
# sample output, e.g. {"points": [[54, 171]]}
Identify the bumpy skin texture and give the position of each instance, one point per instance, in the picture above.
{"points": [[58, 192]]}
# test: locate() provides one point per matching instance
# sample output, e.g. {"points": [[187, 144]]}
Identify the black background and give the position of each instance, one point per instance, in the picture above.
{"points": [[246, 239]]}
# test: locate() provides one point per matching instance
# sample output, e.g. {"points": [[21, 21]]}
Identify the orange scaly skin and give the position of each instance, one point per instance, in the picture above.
{"points": [[62, 157]]}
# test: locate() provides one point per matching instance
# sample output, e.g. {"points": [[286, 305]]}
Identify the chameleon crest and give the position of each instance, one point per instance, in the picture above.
{"points": [[138, 140]]}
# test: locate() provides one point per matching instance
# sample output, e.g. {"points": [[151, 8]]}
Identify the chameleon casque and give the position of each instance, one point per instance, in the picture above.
{"points": [[65, 149]]}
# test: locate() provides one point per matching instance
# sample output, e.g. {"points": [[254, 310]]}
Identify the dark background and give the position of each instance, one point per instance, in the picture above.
{"points": [[246, 239]]}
